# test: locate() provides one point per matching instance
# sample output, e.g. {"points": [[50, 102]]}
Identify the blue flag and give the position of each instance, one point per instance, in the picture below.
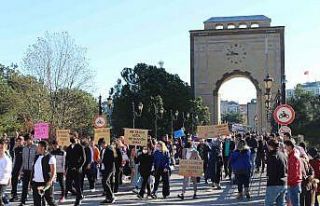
{"points": [[179, 133]]}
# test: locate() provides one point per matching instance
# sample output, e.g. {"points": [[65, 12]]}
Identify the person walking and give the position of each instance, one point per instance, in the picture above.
{"points": [[215, 163], [86, 168], [44, 172], [277, 175], [95, 153], [75, 159], [241, 166], [261, 155], [227, 149], [17, 164], [5, 170], [294, 173], [161, 166], [107, 169], [145, 162], [203, 150], [315, 164], [28, 154], [60, 156], [189, 153], [253, 145]]}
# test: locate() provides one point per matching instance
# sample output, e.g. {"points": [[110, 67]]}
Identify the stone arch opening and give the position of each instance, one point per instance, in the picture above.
{"points": [[257, 115]]}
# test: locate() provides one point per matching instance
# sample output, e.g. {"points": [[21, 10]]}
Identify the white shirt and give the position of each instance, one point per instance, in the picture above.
{"points": [[5, 169], [38, 175], [188, 155]]}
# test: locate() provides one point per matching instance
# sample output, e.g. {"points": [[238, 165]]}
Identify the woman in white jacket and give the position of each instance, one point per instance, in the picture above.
{"points": [[5, 170]]}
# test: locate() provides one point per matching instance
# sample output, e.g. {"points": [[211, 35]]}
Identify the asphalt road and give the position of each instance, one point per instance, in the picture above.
{"points": [[206, 194]]}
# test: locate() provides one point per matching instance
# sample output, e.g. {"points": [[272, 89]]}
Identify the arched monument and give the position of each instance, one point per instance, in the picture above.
{"points": [[240, 46]]}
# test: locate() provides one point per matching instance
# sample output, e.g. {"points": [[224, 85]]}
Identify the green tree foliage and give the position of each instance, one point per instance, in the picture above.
{"points": [[232, 117], [24, 100], [307, 108], [141, 84], [57, 61]]}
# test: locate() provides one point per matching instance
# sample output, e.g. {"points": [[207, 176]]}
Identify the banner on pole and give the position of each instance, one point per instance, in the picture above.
{"points": [[102, 133], [63, 137], [41, 130], [211, 131], [136, 137], [190, 168]]}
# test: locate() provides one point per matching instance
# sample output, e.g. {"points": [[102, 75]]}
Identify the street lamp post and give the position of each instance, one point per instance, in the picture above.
{"points": [[100, 105], [135, 113], [110, 110], [173, 118], [158, 114], [268, 96]]}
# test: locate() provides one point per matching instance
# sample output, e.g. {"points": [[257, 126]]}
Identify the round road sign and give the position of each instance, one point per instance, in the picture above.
{"points": [[284, 114], [99, 121], [284, 129]]}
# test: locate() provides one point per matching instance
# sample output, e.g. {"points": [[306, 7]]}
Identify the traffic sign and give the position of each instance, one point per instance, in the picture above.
{"points": [[99, 121], [284, 114], [284, 129]]}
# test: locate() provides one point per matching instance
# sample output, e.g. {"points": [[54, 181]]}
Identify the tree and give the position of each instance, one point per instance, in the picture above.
{"points": [[57, 61], [232, 117], [146, 81], [307, 108]]}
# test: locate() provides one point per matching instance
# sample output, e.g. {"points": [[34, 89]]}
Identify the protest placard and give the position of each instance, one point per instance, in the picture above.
{"points": [[211, 131], [137, 137], [41, 130], [63, 137], [102, 133], [190, 168]]}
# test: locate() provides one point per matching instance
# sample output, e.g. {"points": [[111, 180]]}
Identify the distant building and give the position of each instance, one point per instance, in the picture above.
{"points": [[229, 106], [243, 111], [252, 114], [312, 87]]}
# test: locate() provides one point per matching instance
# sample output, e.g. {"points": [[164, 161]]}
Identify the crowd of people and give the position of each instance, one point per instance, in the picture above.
{"points": [[293, 171]]}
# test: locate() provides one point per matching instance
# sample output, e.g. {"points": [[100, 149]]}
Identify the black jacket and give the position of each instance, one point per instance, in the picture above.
{"points": [[276, 168], [87, 152], [17, 159], [46, 171], [108, 160], [146, 163], [253, 144], [75, 157]]}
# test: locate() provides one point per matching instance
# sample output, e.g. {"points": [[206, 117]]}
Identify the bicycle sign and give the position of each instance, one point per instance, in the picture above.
{"points": [[284, 114], [99, 121]]}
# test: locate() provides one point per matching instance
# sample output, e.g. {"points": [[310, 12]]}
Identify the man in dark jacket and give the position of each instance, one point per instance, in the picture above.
{"points": [[107, 169], [276, 173], [75, 159], [28, 154], [17, 164], [86, 169]]}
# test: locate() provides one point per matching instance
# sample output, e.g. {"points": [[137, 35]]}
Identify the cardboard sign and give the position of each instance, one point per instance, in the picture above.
{"points": [[211, 131], [190, 168], [102, 133], [41, 131], [63, 137], [136, 137]]}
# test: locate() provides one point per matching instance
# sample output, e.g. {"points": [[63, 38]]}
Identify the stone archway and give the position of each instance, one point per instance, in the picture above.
{"points": [[216, 99], [218, 54]]}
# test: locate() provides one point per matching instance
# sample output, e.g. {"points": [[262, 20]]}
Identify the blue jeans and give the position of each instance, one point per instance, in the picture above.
{"points": [[294, 194], [253, 157], [275, 194]]}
